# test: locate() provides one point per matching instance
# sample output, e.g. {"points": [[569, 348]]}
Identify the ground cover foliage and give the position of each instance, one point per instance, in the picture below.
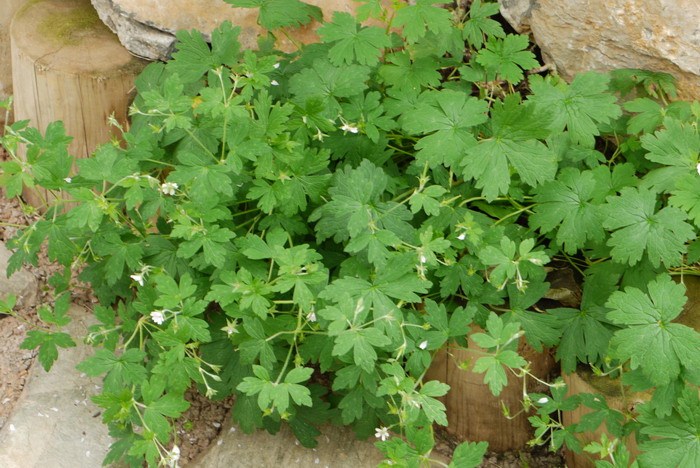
{"points": [[306, 230]]}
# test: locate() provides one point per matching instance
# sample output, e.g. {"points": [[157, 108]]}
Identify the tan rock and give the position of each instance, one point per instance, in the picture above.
{"points": [[147, 29], [7, 10], [601, 35]]}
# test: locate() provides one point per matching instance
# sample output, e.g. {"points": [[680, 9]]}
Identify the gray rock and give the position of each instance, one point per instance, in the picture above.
{"points": [[337, 448], [140, 39], [22, 283], [55, 424], [148, 29], [602, 35]]}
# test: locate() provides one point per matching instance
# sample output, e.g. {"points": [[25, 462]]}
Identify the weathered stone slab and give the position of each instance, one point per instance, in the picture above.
{"points": [[602, 35], [337, 448], [55, 424], [148, 29]]}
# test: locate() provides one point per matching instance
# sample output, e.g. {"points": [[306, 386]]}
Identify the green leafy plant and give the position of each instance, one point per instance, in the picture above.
{"points": [[308, 230]]}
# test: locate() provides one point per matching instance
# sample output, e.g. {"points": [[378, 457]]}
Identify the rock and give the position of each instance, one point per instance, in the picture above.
{"points": [[55, 424], [337, 448], [148, 29], [602, 35], [8, 9], [22, 283]]}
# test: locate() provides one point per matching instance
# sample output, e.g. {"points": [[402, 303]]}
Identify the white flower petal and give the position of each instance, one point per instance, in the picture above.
{"points": [[158, 316]]}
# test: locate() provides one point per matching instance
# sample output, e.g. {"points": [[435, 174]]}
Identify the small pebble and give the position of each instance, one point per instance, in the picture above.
{"points": [[12, 428], [317, 461], [219, 442]]}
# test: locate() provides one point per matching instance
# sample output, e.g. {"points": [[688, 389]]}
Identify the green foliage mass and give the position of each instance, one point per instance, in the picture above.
{"points": [[308, 230]]}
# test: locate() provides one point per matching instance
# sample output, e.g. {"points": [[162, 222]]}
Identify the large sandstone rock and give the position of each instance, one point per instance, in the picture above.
{"points": [[6, 11], [148, 29], [601, 35]]}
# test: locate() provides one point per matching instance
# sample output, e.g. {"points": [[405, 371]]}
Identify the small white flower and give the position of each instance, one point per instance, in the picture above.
{"points": [[230, 327], [138, 277], [173, 457], [349, 128], [319, 135], [543, 400], [274, 83], [698, 168], [158, 316], [381, 433], [312, 317], [69, 180], [423, 259], [277, 65], [168, 188], [420, 269], [423, 344]]}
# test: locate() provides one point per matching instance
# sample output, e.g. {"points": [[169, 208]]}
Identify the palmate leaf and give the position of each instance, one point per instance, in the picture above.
{"points": [[676, 145], [450, 115], [625, 80], [651, 115], [468, 454], [686, 196], [48, 344], [650, 341], [512, 140], [585, 335], [507, 58], [421, 17], [276, 14], [194, 57], [402, 72], [578, 107], [674, 439], [356, 208], [352, 41], [639, 229], [324, 80], [479, 23], [566, 205]]}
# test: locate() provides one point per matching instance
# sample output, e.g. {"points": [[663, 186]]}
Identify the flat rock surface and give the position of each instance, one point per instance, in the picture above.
{"points": [[337, 448], [55, 424]]}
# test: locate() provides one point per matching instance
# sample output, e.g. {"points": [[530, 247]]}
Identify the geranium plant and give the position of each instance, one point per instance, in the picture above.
{"points": [[307, 230]]}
